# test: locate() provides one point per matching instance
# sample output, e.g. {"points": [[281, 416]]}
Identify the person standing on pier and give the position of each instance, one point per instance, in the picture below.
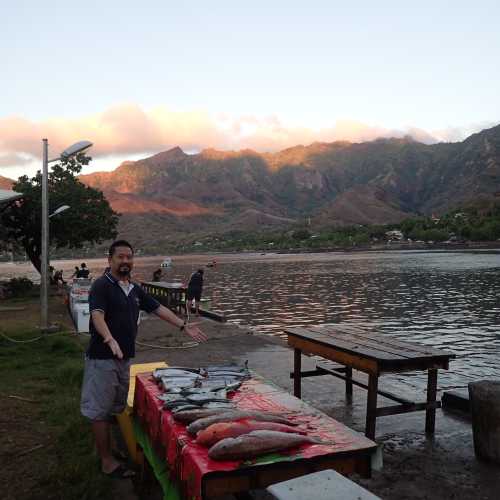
{"points": [[115, 302], [194, 291]]}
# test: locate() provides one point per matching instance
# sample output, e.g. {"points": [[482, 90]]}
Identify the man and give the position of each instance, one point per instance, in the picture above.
{"points": [[115, 302], [83, 272], [195, 288]]}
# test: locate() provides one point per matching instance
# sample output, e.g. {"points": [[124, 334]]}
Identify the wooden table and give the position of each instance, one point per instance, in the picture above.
{"points": [[374, 354]]}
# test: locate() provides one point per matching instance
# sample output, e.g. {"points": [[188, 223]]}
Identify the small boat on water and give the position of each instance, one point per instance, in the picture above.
{"points": [[167, 262]]}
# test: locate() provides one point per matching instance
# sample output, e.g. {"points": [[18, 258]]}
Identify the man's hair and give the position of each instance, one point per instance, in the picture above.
{"points": [[119, 243], [83, 264], [201, 271]]}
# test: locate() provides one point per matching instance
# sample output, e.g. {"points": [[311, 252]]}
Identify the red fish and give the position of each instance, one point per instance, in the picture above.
{"points": [[257, 443], [215, 432]]}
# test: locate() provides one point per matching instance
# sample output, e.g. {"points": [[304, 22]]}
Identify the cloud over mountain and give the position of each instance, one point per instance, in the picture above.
{"points": [[128, 129]]}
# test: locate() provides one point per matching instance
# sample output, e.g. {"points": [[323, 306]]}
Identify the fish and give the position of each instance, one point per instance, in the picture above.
{"points": [[216, 432], [220, 404], [206, 398], [231, 416], [184, 408], [188, 416], [170, 405], [170, 397], [230, 367], [174, 372], [180, 382], [257, 443]]}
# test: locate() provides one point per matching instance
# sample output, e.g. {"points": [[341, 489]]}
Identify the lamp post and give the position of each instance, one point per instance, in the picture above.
{"points": [[44, 282]]}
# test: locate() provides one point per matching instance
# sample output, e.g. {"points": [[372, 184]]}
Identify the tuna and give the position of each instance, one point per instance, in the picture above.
{"points": [[232, 416], [216, 432], [257, 443]]}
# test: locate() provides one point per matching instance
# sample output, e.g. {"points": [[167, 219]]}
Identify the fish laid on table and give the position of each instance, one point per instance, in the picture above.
{"points": [[228, 404], [170, 405], [257, 443], [230, 367], [175, 372], [184, 408], [216, 432], [169, 383], [188, 416], [206, 398], [170, 397], [235, 415]]}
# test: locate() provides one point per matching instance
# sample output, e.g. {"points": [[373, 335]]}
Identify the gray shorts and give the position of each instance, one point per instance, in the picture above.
{"points": [[105, 388]]}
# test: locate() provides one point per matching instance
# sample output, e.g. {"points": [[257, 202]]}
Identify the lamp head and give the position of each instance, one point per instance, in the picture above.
{"points": [[76, 148]]}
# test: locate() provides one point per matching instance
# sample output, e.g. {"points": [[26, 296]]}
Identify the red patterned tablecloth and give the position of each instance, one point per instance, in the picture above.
{"points": [[190, 462]]}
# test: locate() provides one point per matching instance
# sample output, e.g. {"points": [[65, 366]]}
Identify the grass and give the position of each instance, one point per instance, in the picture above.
{"points": [[46, 447]]}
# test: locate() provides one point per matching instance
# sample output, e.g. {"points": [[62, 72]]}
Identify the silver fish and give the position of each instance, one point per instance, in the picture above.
{"points": [[257, 443], [170, 405], [184, 408], [231, 416], [189, 416]]}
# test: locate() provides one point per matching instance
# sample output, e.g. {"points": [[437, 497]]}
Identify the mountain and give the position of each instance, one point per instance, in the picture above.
{"points": [[5, 183], [173, 195]]}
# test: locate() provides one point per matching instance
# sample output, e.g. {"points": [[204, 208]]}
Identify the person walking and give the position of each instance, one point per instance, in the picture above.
{"points": [[114, 303], [194, 291]]}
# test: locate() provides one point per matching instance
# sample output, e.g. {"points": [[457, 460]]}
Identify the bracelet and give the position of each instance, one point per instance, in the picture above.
{"points": [[181, 328]]}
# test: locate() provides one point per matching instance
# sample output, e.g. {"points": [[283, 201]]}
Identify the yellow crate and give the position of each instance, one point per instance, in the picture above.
{"points": [[125, 418]]}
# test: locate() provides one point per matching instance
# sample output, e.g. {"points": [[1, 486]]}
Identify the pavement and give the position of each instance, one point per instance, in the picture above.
{"points": [[415, 466]]}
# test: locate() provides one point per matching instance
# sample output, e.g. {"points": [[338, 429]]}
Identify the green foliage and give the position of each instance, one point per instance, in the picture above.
{"points": [[90, 218]]}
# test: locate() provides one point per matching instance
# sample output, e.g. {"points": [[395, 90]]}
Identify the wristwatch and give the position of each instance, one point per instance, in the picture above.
{"points": [[181, 328]]}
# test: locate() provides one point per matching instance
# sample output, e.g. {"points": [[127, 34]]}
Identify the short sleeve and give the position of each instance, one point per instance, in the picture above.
{"points": [[98, 296], [147, 303]]}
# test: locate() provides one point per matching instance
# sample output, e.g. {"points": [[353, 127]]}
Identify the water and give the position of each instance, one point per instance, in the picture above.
{"points": [[447, 300]]}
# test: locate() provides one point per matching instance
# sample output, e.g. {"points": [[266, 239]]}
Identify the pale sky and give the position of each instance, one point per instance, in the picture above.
{"points": [[136, 78]]}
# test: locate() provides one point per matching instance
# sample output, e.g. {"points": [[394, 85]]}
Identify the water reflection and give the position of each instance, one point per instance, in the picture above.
{"points": [[448, 300]]}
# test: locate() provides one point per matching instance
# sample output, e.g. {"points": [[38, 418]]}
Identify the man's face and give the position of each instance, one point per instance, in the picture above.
{"points": [[122, 261]]}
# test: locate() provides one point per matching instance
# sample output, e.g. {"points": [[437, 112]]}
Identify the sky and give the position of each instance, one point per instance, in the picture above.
{"points": [[136, 78]]}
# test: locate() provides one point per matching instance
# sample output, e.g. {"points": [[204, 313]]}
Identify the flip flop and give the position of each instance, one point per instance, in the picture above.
{"points": [[121, 472]]}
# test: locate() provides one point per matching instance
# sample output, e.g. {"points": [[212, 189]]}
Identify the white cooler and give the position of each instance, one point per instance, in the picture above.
{"points": [[81, 316]]}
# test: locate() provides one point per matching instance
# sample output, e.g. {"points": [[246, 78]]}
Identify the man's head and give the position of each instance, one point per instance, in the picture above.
{"points": [[121, 258], [201, 271], [84, 265]]}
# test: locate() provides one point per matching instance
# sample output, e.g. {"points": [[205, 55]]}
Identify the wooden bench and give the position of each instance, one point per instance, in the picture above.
{"points": [[373, 354], [323, 485]]}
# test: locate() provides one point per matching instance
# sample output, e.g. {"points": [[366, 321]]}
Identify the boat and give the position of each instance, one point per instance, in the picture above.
{"points": [[167, 262]]}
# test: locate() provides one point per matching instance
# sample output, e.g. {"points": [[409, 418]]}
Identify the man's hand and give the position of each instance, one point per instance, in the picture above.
{"points": [[195, 333], [115, 348]]}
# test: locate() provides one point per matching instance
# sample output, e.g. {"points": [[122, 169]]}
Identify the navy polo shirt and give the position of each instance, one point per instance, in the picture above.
{"points": [[121, 313]]}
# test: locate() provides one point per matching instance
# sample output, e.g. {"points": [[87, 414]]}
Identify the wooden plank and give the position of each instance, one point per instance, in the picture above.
{"points": [[347, 346], [259, 477], [358, 362], [405, 408], [385, 394], [389, 340]]}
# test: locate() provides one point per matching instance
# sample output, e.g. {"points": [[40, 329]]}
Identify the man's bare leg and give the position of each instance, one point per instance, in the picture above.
{"points": [[101, 430], [197, 306]]}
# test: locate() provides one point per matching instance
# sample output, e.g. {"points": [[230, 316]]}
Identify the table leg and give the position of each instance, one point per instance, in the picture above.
{"points": [[371, 407], [348, 382], [430, 413], [297, 362]]}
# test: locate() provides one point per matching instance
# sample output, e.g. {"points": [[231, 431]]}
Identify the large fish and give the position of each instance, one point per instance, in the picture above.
{"points": [[232, 416], [216, 432], [188, 416], [175, 372], [257, 443]]}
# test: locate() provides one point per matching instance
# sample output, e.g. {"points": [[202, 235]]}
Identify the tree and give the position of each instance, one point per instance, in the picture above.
{"points": [[89, 220]]}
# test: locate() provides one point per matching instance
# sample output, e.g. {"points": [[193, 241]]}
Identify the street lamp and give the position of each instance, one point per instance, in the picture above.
{"points": [[44, 282], [59, 210]]}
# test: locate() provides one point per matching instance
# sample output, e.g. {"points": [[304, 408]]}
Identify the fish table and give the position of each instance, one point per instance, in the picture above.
{"points": [[202, 478], [373, 354]]}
